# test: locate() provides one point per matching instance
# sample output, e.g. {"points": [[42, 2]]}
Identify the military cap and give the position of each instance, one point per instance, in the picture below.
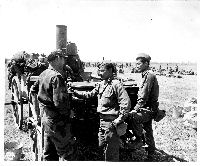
{"points": [[143, 56], [108, 65], [54, 54]]}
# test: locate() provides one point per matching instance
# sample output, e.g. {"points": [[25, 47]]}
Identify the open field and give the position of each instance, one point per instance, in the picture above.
{"points": [[175, 141]]}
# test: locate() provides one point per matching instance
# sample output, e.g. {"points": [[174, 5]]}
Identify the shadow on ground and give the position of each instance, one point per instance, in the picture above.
{"points": [[140, 155]]}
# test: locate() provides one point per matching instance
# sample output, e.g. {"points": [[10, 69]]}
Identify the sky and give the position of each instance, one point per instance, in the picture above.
{"points": [[117, 29]]}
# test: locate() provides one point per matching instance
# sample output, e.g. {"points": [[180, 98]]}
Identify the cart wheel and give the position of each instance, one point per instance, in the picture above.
{"points": [[17, 104], [37, 145]]}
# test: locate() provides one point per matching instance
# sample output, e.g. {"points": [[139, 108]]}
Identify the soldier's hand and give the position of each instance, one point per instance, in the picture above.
{"points": [[112, 125], [69, 79], [69, 84], [133, 111], [70, 90]]}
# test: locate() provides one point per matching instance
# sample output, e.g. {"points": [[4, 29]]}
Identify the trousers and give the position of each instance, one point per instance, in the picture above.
{"points": [[59, 143], [144, 117], [109, 141]]}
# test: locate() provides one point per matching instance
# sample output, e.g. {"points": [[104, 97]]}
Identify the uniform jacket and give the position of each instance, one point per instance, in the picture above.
{"points": [[148, 92], [112, 98], [52, 92]]}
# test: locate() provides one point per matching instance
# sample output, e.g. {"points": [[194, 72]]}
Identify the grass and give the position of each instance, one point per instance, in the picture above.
{"points": [[175, 142]]}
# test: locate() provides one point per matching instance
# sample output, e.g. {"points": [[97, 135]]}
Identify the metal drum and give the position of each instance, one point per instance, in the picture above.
{"points": [[86, 119], [132, 92], [85, 122]]}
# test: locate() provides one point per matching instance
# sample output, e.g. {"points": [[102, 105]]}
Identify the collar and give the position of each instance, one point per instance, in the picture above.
{"points": [[144, 73], [51, 68], [109, 80]]}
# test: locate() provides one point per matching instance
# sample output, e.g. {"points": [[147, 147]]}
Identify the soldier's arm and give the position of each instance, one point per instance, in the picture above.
{"points": [[60, 98], [144, 92], [124, 103], [86, 95], [35, 88], [33, 96]]}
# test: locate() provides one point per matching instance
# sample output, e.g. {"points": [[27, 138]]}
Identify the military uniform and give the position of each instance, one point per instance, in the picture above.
{"points": [[113, 101], [55, 112], [147, 98]]}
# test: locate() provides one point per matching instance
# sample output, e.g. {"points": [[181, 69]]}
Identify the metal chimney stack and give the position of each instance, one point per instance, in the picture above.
{"points": [[61, 37]]}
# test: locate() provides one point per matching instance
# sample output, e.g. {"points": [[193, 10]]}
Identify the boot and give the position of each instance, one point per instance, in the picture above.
{"points": [[150, 156], [135, 144]]}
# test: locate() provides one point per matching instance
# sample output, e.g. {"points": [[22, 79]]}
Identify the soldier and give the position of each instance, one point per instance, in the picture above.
{"points": [[176, 68], [16, 66], [69, 74], [170, 70], [147, 102], [55, 112], [113, 106], [160, 68], [11, 72], [32, 63]]}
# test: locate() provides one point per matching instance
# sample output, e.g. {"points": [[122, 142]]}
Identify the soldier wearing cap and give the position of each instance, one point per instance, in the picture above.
{"points": [[147, 102], [113, 107], [53, 100], [42, 63], [42, 58]]}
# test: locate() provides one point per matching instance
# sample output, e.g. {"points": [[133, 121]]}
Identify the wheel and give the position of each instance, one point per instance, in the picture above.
{"points": [[36, 134], [17, 103], [39, 143]]}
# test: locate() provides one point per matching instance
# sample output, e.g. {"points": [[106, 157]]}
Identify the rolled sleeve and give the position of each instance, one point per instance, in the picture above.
{"points": [[123, 101], [86, 95]]}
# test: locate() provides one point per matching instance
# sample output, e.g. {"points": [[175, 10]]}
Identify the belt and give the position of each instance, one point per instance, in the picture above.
{"points": [[56, 116], [108, 117]]}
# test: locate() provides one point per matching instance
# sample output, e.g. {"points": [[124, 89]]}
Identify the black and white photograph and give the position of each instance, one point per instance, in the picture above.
{"points": [[100, 81]]}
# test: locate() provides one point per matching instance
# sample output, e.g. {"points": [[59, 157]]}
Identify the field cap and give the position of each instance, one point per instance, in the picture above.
{"points": [[54, 54], [143, 56]]}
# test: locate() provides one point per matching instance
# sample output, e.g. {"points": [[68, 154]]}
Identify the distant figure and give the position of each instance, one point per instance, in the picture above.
{"points": [[16, 66], [133, 70], [121, 71], [176, 68], [35, 66], [32, 63], [167, 66], [191, 72], [153, 69], [160, 68], [170, 70]]}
